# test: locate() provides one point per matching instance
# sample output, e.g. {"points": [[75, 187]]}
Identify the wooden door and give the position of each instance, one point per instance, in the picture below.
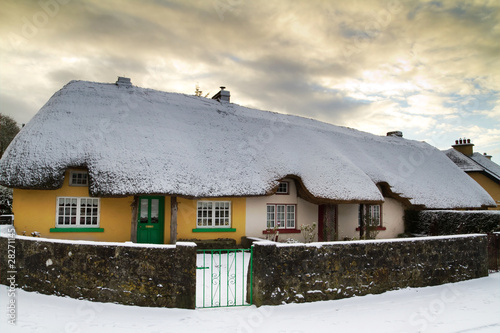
{"points": [[327, 223]]}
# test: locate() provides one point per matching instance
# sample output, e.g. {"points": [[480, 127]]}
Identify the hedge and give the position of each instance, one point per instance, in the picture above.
{"points": [[440, 222]]}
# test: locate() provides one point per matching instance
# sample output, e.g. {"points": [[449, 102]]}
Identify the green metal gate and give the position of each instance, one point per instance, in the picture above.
{"points": [[222, 278]]}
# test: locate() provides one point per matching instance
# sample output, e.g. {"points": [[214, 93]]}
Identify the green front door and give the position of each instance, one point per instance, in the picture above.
{"points": [[150, 222]]}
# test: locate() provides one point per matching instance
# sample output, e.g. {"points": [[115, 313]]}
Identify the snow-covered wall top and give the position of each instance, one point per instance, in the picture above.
{"points": [[142, 141]]}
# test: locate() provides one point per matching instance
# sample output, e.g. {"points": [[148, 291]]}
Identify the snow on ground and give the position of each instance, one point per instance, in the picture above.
{"points": [[469, 306]]}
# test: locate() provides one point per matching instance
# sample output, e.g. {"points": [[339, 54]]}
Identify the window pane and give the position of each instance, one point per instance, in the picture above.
{"points": [[144, 211], [290, 216], [270, 216], [79, 178], [213, 213], [155, 210], [282, 188], [280, 215], [375, 214], [77, 211]]}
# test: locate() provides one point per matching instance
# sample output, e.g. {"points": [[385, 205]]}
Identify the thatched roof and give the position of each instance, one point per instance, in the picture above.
{"points": [[141, 141]]}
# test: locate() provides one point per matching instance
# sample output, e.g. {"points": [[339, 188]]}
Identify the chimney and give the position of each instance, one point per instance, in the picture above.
{"points": [[487, 156], [398, 134], [123, 82], [464, 146], [222, 95]]}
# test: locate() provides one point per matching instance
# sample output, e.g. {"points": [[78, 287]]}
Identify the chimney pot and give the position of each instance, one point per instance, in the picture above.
{"points": [[398, 134], [487, 156], [464, 146], [222, 95], [123, 81]]}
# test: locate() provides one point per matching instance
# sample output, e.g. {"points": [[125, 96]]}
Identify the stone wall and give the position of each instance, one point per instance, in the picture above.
{"points": [[157, 276], [325, 271]]}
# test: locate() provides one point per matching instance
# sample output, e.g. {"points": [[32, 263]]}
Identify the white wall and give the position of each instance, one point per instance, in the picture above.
{"points": [[347, 221], [392, 220], [256, 219], [307, 213]]}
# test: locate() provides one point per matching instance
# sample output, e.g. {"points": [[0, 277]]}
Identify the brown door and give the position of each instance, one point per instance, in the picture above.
{"points": [[327, 223]]}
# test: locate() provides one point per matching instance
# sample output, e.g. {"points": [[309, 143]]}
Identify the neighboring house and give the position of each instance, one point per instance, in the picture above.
{"points": [[479, 166], [114, 162]]}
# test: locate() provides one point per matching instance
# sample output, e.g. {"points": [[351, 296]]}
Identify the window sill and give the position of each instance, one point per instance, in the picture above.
{"points": [[376, 228], [215, 230], [281, 231], [76, 229]]}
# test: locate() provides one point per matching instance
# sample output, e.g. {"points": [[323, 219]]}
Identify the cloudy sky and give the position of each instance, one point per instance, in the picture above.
{"points": [[428, 68]]}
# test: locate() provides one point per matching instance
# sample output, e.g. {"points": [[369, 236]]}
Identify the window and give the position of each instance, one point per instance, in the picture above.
{"points": [[214, 214], [370, 215], [282, 188], [282, 216], [77, 212], [78, 178]]}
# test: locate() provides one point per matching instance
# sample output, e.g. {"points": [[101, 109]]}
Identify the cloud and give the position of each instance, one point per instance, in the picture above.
{"points": [[372, 65], [18, 109]]}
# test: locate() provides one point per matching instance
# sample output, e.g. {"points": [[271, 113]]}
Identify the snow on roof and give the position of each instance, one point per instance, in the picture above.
{"points": [[490, 167], [462, 161], [477, 162], [142, 141]]}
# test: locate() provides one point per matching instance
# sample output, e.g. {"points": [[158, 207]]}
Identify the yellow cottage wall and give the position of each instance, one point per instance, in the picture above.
{"points": [[489, 185], [186, 220], [35, 210]]}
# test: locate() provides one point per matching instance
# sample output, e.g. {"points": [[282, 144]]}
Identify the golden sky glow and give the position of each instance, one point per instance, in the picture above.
{"points": [[428, 68]]}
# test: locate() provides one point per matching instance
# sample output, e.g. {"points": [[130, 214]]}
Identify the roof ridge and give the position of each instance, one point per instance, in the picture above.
{"points": [[485, 167]]}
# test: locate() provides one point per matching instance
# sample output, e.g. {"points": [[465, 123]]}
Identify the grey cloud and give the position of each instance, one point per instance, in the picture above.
{"points": [[16, 108], [279, 55]]}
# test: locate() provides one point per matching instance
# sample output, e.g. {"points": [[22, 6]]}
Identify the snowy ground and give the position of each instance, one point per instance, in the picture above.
{"points": [[470, 306]]}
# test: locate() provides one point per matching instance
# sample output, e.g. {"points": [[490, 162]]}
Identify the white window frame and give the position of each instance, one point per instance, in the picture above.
{"points": [[213, 216], [74, 214], [76, 173], [283, 185], [282, 214]]}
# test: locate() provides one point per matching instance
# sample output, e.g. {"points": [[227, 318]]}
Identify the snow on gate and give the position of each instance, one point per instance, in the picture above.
{"points": [[222, 278]]}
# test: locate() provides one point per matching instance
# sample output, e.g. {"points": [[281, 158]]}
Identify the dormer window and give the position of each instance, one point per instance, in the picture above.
{"points": [[78, 178], [283, 188]]}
